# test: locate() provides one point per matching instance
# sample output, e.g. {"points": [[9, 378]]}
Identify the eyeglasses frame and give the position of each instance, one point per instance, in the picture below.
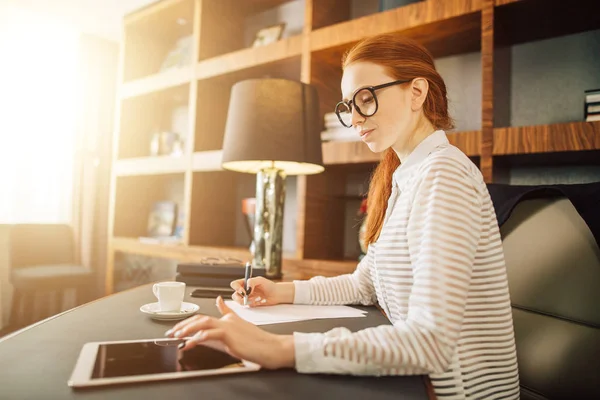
{"points": [[371, 89]]}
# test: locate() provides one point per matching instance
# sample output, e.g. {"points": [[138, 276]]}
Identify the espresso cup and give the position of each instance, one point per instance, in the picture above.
{"points": [[169, 295]]}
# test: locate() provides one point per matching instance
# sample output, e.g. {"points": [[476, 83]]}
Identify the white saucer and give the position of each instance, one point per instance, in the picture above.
{"points": [[153, 310]]}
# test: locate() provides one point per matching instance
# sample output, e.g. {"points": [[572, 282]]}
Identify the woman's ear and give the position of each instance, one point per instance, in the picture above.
{"points": [[418, 90]]}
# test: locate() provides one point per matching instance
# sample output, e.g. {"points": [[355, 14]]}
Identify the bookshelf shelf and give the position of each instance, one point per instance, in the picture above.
{"points": [[358, 153], [150, 166], [157, 82], [570, 136], [207, 161], [279, 54], [179, 252], [348, 153]]}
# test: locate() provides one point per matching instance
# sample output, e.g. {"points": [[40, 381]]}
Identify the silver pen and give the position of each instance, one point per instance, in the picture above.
{"points": [[247, 276]]}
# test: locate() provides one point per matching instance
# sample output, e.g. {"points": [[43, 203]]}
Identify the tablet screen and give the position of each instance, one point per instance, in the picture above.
{"points": [[156, 357]]}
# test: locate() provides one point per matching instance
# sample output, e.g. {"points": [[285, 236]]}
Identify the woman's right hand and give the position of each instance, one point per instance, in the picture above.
{"points": [[264, 292]]}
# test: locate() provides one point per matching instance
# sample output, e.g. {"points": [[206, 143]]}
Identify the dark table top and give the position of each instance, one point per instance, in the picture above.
{"points": [[36, 363]]}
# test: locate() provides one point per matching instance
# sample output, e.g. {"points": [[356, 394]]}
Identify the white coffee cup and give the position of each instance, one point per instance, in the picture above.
{"points": [[169, 295]]}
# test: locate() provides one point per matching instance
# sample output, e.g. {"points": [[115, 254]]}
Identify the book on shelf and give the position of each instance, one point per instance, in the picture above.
{"points": [[592, 96], [592, 117], [591, 111]]}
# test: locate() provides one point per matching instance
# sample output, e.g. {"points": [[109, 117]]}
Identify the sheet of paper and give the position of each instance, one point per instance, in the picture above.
{"points": [[283, 313]]}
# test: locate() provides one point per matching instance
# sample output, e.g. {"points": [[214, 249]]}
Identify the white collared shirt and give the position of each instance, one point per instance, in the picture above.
{"points": [[437, 270]]}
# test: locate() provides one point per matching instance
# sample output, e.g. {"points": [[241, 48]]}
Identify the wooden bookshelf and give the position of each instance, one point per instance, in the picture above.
{"points": [[220, 57], [567, 137]]}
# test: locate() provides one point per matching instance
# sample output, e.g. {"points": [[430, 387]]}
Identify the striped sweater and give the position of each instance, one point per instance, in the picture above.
{"points": [[438, 272]]}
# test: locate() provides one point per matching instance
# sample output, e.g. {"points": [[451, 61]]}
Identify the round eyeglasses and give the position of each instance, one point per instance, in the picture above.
{"points": [[365, 102]]}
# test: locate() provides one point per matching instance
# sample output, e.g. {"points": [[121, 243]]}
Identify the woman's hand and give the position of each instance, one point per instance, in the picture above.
{"points": [[263, 292], [240, 338]]}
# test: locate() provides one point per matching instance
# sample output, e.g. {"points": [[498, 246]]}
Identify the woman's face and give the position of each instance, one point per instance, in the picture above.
{"points": [[391, 125]]}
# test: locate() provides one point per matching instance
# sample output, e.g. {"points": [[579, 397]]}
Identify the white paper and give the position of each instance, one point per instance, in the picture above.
{"points": [[283, 313]]}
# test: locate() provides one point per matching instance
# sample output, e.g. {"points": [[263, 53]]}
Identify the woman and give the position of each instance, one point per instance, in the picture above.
{"points": [[434, 262]]}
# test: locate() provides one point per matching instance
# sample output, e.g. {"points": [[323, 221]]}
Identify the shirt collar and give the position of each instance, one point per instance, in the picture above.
{"points": [[427, 146]]}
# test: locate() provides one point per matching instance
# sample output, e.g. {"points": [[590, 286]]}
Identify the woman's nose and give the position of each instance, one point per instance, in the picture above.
{"points": [[357, 119]]}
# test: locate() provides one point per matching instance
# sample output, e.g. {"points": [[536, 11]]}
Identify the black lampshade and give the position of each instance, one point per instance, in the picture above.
{"points": [[273, 123]]}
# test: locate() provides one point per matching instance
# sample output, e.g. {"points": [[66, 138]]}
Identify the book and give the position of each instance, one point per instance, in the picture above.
{"points": [[592, 96], [592, 117], [230, 270]]}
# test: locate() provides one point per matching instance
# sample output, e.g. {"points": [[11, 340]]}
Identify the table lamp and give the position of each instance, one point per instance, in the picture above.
{"points": [[272, 130]]}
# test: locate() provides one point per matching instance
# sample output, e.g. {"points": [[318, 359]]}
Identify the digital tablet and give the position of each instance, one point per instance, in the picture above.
{"points": [[116, 362]]}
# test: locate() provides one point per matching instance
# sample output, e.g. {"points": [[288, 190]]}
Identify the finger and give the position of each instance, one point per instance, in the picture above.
{"points": [[197, 325], [202, 336], [182, 324], [237, 298], [237, 285], [223, 309]]}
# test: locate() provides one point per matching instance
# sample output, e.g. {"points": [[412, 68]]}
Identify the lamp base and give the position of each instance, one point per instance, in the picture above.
{"points": [[268, 222]]}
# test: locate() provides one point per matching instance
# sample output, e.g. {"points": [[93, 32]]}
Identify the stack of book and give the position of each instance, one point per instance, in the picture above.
{"points": [[592, 105], [336, 132], [213, 275]]}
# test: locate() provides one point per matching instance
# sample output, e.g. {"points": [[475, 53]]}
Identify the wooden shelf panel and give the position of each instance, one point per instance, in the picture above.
{"points": [[251, 57], [178, 252], [150, 166], [157, 82], [306, 269], [467, 141], [210, 160], [570, 136], [357, 152], [348, 153], [444, 27]]}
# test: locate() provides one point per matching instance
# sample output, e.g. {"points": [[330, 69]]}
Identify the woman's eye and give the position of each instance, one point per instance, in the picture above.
{"points": [[366, 99]]}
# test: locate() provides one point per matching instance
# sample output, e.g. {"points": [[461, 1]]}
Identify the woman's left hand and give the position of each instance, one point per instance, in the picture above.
{"points": [[240, 338]]}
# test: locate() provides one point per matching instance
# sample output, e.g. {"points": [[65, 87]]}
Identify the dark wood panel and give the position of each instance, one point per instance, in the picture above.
{"points": [[214, 208], [326, 76], [529, 20], [329, 12], [324, 215], [570, 136], [487, 88], [221, 28]]}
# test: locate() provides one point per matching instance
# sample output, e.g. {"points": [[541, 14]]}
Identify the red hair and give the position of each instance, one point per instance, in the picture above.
{"points": [[403, 58]]}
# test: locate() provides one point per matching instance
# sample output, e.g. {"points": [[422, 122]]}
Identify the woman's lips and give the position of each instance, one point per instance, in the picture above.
{"points": [[365, 134]]}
